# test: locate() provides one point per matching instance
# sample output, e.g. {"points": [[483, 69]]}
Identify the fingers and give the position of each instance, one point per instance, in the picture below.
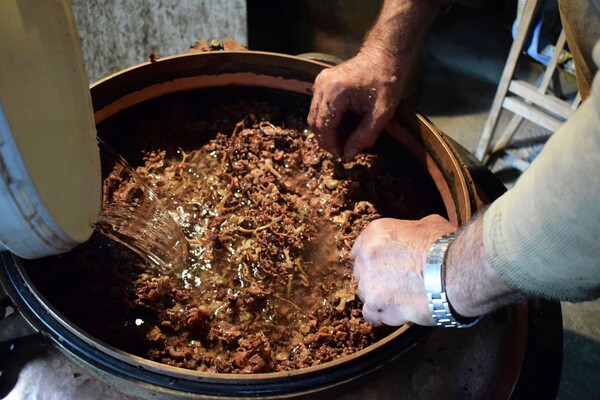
{"points": [[328, 106], [381, 310], [385, 304], [366, 247], [372, 314], [373, 289], [373, 302], [362, 255], [365, 135], [333, 97]]}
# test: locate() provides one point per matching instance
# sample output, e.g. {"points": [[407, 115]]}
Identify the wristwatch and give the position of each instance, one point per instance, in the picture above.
{"points": [[434, 278]]}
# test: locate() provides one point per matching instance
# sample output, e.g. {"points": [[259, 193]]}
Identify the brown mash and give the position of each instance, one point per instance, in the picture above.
{"points": [[270, 219]]}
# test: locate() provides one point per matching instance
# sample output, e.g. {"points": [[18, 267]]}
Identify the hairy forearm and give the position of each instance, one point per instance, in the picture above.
{"points": [[371, 84], [400, 28], [472, 285]]}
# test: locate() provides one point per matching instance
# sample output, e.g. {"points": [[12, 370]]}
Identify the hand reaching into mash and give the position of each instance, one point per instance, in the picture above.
{"points": [[370, 84], [389, 256]]}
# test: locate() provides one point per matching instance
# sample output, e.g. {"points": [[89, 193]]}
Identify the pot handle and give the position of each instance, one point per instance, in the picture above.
{"points": [[203, 46]]}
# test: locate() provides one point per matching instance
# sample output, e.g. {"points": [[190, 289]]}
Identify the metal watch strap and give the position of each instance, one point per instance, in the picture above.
{"points": [[434, 279]]}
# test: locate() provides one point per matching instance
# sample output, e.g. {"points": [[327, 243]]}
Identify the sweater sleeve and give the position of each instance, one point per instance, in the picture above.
{"points": [[543, 236]]}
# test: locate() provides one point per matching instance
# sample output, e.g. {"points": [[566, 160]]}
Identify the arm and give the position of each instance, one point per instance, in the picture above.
{"points": [[389, 258], [538, 239], [542, 236], [371, 83], [472, 285]]}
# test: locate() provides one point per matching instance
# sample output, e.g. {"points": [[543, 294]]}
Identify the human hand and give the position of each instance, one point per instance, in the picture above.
{"points": [[389, 256], [370, 84]]}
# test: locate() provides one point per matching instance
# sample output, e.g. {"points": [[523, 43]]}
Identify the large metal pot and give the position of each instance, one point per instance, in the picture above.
{"points": [[505, 332]]}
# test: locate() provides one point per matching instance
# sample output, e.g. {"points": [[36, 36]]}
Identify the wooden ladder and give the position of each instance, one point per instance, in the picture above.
{"points": [[524, 100]]}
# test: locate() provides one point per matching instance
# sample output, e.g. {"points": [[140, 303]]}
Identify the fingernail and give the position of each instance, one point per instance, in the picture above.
{"points": [[350, 154]]}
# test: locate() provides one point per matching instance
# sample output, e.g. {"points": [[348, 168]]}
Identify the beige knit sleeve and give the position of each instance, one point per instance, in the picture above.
{"points": [[543, 236]]}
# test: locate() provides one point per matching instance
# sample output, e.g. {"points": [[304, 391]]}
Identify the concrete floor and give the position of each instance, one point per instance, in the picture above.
{"points": [[462, 66]]}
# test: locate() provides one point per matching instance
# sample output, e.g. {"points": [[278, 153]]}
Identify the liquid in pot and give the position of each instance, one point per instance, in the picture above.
{"points": [[270, 220]]}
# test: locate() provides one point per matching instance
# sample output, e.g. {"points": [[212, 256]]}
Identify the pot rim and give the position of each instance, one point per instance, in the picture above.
{"points": [[83, 347], [268, 70], [195, 71], [202, 70]]}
